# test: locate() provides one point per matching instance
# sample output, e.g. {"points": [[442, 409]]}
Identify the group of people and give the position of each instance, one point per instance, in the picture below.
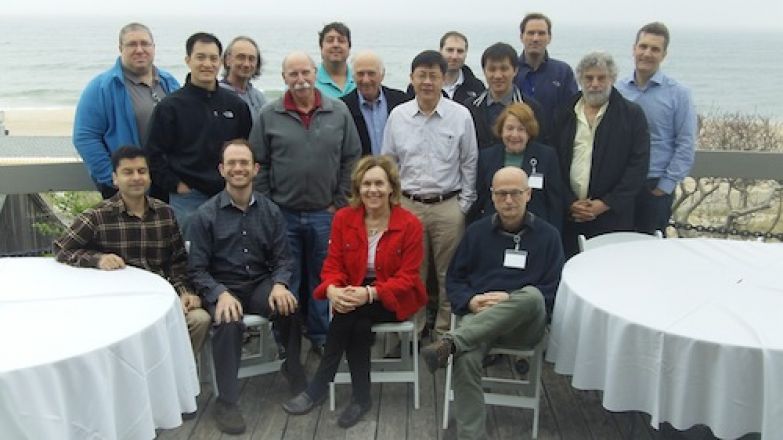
{"points": [[323, 210]]}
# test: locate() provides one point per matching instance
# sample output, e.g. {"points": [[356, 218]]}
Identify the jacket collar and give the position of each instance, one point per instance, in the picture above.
{"points": [[396, 221]]}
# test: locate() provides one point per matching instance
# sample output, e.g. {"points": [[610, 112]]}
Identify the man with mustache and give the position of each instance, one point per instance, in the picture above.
{"points": [[306, 144], [603, 146], [189, 127]]}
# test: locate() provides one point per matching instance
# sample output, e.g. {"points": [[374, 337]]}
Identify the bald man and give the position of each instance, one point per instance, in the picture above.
{"points": [[371, 102], [306, 144], [501, 282]]}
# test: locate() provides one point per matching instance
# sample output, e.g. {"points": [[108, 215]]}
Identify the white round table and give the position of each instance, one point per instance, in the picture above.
{"points": [[87, 353], [689, 331]]}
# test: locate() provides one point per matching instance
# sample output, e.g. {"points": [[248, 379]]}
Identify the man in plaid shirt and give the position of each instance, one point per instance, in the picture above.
{"points": [[131, 228]]}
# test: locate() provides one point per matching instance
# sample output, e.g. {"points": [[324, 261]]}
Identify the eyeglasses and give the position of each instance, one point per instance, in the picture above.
{"points": [[135, 44], [503, 193]]}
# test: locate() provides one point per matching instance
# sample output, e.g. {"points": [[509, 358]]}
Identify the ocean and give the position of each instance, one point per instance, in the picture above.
{"points": [[48, 61]]}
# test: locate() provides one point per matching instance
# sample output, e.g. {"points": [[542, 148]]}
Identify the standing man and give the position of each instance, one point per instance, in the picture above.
{"points": [[549, 81], [241, 63], [371, 102], [671, 116], [502, 282], [133, 229], [306, 144], [189, 127], [434, 143], [459, 83], [240, 263], [499, 64], [603, 147], [334, 77], [116, 105]]}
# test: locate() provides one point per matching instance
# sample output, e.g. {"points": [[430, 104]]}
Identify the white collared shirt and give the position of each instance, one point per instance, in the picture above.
{"points": [[582, 160]]}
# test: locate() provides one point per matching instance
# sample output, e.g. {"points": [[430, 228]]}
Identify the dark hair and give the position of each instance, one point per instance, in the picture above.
{"points": [[237, 141], [450, 34], [535, 16], [202, 37], [499, 52], [127, 152], [341, 29], [655, 28], [227, 53], [429, 58]]}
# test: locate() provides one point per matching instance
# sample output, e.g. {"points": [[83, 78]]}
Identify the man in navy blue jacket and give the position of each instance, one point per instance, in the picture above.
{"points": [[502, 281]]}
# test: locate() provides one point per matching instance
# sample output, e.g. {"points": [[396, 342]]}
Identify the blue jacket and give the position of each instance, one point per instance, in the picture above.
{"points": [[105, 120]]}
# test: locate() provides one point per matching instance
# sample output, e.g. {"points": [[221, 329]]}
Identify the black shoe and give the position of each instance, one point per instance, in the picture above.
{"points": [[302, 404], [189, 416], [228, 417], [436, 355], [296, 382], [352, 414]]}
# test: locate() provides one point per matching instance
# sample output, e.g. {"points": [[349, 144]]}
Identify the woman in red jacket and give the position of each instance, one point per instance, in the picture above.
{"points": [[371, 274]]}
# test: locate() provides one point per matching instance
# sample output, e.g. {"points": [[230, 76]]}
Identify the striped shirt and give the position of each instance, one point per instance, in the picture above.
{"points": [[153, 243]]}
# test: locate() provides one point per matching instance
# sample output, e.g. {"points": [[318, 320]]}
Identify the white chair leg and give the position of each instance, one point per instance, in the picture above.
{"points": [[331, 396], [416, 399], [447, 393]]}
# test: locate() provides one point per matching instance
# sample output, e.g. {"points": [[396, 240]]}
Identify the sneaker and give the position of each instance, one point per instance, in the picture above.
{"points": [[228, 417], [436, 355], [352, 414], [296, 382]]}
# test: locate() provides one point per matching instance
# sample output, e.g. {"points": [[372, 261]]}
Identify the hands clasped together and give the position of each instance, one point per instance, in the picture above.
{"points": [[229, 308], [483, 301], [347, 299]]}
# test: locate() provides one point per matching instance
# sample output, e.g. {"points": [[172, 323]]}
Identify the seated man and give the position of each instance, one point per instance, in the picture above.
{"points": [[502, 281], [134, 229], [240, 262]]}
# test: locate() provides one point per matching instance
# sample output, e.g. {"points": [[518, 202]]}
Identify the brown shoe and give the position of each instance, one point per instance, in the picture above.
{"points": [[436, 355], [228, 417]]}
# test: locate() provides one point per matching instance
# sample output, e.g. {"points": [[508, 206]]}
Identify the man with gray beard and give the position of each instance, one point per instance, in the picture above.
{"points": [[603, 145]]}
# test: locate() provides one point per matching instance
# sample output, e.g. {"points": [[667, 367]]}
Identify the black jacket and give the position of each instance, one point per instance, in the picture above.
{"points": [[479, 111], [621, 157], [187, 130], [393, 97], [546, 203], [471, 87]]}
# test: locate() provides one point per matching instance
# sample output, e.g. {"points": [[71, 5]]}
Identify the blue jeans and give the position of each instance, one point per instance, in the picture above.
{"points": [[186, 204], [308, 234], [652, 212]]}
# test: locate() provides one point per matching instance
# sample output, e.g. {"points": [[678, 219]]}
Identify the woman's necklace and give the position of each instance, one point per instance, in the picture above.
{"points": [[373, 228]]}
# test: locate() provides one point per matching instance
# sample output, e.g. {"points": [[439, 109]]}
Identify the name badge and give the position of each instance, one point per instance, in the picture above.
{"points": [[515, 259], [536, 181]]}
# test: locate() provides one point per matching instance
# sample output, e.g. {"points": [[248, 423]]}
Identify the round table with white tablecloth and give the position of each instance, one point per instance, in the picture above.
{"points": [[86, 353], [689, 331]]}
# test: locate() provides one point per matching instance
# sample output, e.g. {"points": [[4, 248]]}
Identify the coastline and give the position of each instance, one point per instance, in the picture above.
{"points": [[40, 121]]}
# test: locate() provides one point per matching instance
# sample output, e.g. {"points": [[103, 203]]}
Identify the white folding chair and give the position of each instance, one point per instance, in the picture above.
{"points": [[586, 244], [252, 364], [513, 392], [404, 369]]}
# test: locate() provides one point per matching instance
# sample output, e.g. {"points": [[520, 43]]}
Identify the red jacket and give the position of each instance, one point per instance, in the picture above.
{"points": [[397, 259]]}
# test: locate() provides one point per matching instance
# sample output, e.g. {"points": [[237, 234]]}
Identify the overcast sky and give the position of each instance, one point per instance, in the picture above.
{"points": [[728, 15]]}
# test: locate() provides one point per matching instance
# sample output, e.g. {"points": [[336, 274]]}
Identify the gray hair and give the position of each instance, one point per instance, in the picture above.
{"points": [[368, 54], [227, 54], [132, 27], [598, 59], [299, 53]]}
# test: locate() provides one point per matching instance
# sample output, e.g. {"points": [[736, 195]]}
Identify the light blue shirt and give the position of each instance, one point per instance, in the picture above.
{"points": [[671, 117], [328, 87], [375, 114]]}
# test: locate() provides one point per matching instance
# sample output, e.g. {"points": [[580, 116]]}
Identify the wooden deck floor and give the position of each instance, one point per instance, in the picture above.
{"points": [[566, 413]]}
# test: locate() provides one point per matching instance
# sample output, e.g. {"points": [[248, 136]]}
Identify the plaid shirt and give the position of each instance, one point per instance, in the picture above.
{"points": [[153, 243]]}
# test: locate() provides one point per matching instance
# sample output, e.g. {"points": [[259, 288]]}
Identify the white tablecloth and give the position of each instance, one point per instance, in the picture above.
{"points": [[687, 330], [86, 353]]}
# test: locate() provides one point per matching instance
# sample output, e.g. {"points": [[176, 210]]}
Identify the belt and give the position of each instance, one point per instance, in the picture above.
{"points": [[430, 199]]}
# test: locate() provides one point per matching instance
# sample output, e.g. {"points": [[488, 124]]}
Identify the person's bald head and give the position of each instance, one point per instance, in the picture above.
{"points": [[368, 74], [299, 73], [510, 194]]}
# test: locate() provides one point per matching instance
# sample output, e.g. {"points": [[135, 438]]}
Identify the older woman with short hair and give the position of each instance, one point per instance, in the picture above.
{"points": [[517, 128], [370, 275]]}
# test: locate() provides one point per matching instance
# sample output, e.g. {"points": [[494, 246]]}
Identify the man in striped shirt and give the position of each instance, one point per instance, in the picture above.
{"points": [[133, 229]]}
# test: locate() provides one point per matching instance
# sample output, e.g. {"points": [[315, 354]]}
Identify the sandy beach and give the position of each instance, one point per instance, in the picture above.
{"points": [[39, 122]]}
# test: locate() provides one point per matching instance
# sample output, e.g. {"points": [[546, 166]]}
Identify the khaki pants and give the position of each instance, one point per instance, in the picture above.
{"points": [[198, 321], [443, 225]]}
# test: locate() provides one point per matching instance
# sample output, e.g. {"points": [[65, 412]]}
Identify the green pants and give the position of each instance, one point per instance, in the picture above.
{"points": [[519, 322]]}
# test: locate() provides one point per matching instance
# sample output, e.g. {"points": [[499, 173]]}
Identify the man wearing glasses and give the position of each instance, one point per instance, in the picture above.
{"points": [[115, 107], [501, 282]]}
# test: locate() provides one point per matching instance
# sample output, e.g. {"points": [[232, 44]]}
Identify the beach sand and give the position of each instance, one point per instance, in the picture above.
{"points": [[39, 122]]}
